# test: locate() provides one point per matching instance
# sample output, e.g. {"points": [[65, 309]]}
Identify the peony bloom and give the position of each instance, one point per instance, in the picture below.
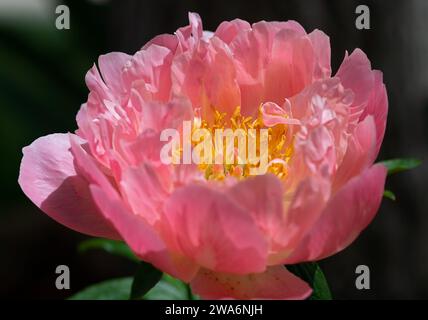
{"points": [[226, 232]]}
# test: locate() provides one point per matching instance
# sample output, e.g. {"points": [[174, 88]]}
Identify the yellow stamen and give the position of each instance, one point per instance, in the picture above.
{"points": [[279, 149]]}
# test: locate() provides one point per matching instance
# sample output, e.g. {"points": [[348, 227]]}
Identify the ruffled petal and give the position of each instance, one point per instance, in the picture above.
{"points": [[321, 46], [213, 231], [360, 153], [228, 30], [348, 212], [141, 238], [111, 66], [377, 107], [275, 283], [146, 188], [48, 176], [261, 197], [355, 73]]}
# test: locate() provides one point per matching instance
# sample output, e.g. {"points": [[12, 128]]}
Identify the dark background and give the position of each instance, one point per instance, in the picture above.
{"points": [[42, 73]]}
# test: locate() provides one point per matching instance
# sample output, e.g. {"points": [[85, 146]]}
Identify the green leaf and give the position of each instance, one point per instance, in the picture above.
{"points": [[145, 279], [389, 194], [313, 275], [398, 165], [168, 288], [113, 289], [114, 247], [191, 295]]}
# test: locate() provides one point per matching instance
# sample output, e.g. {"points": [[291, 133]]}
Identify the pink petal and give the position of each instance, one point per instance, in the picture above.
{"points": [[87, 166], [302, 212], [141, 237], [146, 188], [96, 84], [261, 197], [111, 66], [378, 107], [349, 212], [48, 177], [164, 40], [195, 22], [307, 203], [291, 66], [273, 114], [265, 52], [145, 147], [220, 83], [355, 73], [360, 153], [207, 76], [213, 231], [159, 116], [189, 36], [149, 72], [228, 30], [275, 283], [321, 45]]}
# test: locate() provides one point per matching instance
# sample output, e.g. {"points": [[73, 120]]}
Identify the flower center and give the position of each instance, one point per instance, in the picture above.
{"points": [[242, 146]]}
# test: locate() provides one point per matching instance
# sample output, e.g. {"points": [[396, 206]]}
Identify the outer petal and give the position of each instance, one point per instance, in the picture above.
{"points": [[149, 72], [275, 283], [86, 166], [214, 231], [228, 30], [146, 188], [111, 66], [346, 215], [370, 93], [321, 44], [48, 177], [159, 116], [169, 41], [308, 201], [360, 154], [303, 211], [261, 196], [378, 108], [355, 73], [252, 51], [141, 237], [290, 68]]}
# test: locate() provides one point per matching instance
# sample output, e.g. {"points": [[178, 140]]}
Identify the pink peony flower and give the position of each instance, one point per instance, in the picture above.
{"points": [[226, 232]]}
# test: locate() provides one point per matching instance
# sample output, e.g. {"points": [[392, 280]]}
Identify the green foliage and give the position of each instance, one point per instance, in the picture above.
{"points": [[145, 279], [145, 284], [169, 288], [398, 165], [389, 194], [313, 275], [117, 248], [113, 289]]}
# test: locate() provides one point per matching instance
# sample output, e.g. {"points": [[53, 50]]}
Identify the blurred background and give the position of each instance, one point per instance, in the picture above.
{"points": [[42, 73]]}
